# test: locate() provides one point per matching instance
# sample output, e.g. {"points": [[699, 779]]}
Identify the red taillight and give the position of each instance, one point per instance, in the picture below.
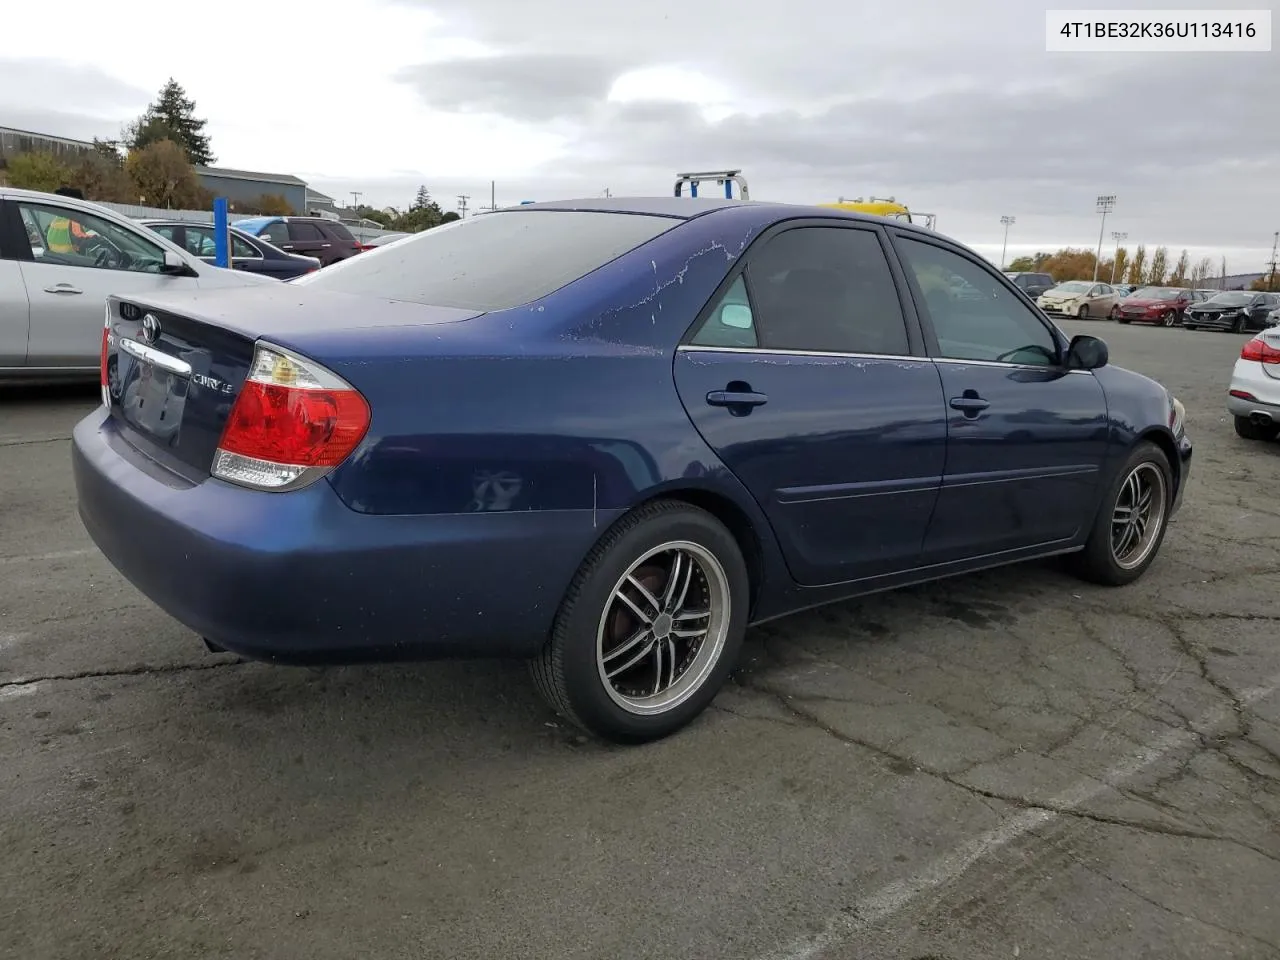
{"points": [[1260, 351], [292, 422], [1242, 395], [104, 380]]}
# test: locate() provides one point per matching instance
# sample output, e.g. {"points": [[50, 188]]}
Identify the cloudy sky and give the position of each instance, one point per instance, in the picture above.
{"points": [[954, 107]]}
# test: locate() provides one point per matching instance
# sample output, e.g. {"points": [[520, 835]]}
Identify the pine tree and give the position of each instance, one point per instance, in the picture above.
{"points": [[423, 199], [172, 117]]}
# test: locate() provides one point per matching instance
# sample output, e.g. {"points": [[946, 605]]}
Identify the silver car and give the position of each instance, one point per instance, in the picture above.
{"points": [[59, 260]]}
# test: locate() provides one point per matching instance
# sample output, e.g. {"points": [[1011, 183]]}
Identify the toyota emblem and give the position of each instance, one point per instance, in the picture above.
{"points": [[150, 331]]}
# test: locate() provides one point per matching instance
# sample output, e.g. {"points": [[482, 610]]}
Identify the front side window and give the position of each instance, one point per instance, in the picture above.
{"points": [[73, 238], [242, 249], [493, 262], [974, 315], [826, 290], [277, 232]]}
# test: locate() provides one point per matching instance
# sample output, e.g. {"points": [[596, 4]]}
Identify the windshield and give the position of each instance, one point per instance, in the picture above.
{"points": [[1232, 298], [1073, 286], [1158, 293], [494, 262]]}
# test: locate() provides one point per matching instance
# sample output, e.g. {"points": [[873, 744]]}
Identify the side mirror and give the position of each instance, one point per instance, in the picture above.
{"points": [[175, 266], [1087, 353], [736, 315]]}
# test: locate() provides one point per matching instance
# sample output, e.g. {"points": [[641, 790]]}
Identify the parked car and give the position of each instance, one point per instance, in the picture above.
{"points": [[1163, 305], [59, 260], [1080, 299], [329, 241], [674, 446], [386, 238], [249, 253], [1123, 289], [1253, 399], [1234, 310], [1032, 284]]}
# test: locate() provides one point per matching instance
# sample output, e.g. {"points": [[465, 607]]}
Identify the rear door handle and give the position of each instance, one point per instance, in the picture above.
{"points": [[736, 398], [63, 288], [970, 404]]}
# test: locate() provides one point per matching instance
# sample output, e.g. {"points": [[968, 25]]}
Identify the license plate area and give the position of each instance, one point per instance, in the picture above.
{"points": [[153, 388]]}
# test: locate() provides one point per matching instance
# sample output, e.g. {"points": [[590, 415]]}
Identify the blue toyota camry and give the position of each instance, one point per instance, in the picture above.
{"points": [[607, 436]]}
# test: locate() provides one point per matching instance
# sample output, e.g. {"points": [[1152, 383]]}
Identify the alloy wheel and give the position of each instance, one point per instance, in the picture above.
{"points": [[1138, 516], [663, 628]]}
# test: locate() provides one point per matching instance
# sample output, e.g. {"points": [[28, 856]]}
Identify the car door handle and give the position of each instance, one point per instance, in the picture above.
{"points": [[63, 288], [286, 246], [736, 400], [970, 404], [325, 246]]}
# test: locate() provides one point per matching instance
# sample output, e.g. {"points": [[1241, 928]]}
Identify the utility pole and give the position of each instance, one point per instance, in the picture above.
{"points": [[462, 204], [607, 194], [493, 195], [1106, 203], [355, 198], [1275, 245], [1119, 238], [1008, 222]]}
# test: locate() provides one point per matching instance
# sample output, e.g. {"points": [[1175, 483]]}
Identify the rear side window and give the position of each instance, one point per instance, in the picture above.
{"points": [[827, 290], [304, 231], [338, 231], [493, 262]]}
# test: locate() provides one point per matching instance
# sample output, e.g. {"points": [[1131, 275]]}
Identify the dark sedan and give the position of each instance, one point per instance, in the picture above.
{"points": [[1235, 310], [607, 436], [249, 253]]}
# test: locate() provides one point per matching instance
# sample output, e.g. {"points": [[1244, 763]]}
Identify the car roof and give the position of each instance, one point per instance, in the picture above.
{"points": [[687, 208]]}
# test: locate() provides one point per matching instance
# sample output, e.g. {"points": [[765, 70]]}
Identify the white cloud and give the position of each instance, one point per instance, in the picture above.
{"points": [[956, 108]]}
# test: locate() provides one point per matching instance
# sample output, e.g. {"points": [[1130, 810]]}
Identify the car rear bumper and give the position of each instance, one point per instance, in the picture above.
{"points": [[1263, 391], [300, 578]]}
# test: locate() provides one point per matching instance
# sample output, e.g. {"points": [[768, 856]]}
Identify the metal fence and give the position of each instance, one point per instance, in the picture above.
{"points": [[361, 231]]}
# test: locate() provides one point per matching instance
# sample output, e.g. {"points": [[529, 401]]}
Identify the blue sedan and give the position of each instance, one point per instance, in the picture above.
{"points": [[607, 436]]}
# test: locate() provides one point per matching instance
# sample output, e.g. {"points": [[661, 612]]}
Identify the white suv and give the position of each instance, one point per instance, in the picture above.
{"points": [[1254, 395]]}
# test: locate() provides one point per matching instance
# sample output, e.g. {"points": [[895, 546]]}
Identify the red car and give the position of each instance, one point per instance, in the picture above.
{"points": [[1163, 305]]}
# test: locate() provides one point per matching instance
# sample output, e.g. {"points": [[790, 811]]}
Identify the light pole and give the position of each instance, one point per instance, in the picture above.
{"points": [[1119, 238], [1008, 222], [1106, 203]]}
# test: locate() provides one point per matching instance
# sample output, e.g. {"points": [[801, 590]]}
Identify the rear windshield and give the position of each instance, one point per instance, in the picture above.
{"points": [[1158, 293], [493, 262]]}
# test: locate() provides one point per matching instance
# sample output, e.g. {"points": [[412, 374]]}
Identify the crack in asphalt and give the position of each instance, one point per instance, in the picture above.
{"points": [[25, 443], [135, 671], [1102, 874], [807, 718]]}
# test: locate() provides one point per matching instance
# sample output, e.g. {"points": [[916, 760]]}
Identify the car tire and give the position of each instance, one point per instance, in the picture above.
{"points": [[1110, 557], [1083, 312], [601, 625], [1115, 313], [1249, 430], [1237, 326], [1168, 318]]}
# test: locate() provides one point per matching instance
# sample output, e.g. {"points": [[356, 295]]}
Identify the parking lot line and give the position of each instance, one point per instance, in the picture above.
{"points": [[896, 896], [56, 555]]}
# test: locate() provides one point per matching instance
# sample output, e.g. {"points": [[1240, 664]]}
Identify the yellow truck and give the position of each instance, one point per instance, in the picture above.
{"points": [[726, 180], [884, 207]]}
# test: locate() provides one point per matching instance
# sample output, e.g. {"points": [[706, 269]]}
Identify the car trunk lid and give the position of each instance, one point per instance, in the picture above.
{"points": [[174, 366]]}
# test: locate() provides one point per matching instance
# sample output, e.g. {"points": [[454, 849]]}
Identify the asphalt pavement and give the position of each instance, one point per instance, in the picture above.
{"points": [[1012, 764]]}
